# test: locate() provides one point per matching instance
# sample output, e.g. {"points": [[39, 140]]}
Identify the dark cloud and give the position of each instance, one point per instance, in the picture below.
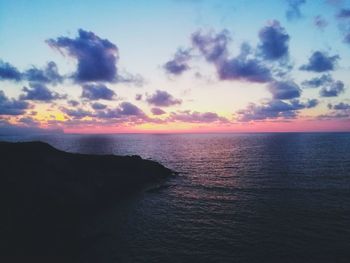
{"points": [[335, 89], [274, 41], [344, 13], [11, 129], [125, 109], [197, 117], [29, 121], [212, 46], [39, 92], [157, 111], [284, 90], [179, 63], [12, 106], [338, 111], [96, 57], [320, 62], [274, 109], [49, 74], [97, 92], [9, 72], [293, 12], [162, 99], [320, 22], [77, 113], [340, 106], [73, 103], [138, 97], [317, 82], [243, 68], [98, 106]]}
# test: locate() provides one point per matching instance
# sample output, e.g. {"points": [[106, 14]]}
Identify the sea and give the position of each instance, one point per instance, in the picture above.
{"points": [[262, 197]]}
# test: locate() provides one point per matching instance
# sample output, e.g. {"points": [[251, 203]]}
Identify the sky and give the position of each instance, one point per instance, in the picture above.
{"points": [[174, 66]]}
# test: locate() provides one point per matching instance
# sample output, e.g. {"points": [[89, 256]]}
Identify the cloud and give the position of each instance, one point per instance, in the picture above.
{"points": [[197, 117], [162, 99], [214, 49], [9, 72], [317, 82], [179, 63], [77, 113], [340, 106], [12, 106], [11, 129], [73, 103], [98, 106], [97, 92], [344, 13], [29, 121], [320, 62], [320, 22], [338, 111], [157, 111], [40, 92], [138, 97], [49, 74], [293, 12], [274, 109], [274, 41], [335, 89], [125, 109], [284, 90], [96, 57], [243, 68], [212, 46]]}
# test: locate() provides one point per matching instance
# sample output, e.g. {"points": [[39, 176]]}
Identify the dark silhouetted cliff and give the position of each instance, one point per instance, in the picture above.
{"points": [[46, 193]]}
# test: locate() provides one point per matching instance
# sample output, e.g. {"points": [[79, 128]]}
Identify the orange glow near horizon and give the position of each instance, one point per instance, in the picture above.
{"points": [[295, 126]]}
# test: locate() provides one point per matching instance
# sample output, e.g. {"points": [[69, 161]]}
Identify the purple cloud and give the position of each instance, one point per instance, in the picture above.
{"points": [[97, 92], [197, 117], [274, 109], [98, 106], [243, 68], [162, 99], [317, 82], [284, 90], [96, 57], [11, 106], [340, 106], [73, 103], [9, 72], [125, 109], [179, 63], [212, 47], [274, 41], [157, 111], [40, 92], [321, 62], [138, 97], [335, 89], [49, 74], [77, 113]]}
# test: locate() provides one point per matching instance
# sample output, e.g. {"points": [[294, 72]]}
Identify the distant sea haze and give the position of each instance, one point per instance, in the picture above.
{"points": [[273, 197]]}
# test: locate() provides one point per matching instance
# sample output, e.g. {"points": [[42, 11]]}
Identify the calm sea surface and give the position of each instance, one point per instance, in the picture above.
{"points": [[237, 198]]}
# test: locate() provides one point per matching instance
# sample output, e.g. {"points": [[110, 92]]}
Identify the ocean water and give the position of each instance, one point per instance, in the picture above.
{"points": [[277, 197]]}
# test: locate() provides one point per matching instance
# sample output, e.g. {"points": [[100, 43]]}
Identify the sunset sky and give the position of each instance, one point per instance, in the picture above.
{"points": [[174, 66]]}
